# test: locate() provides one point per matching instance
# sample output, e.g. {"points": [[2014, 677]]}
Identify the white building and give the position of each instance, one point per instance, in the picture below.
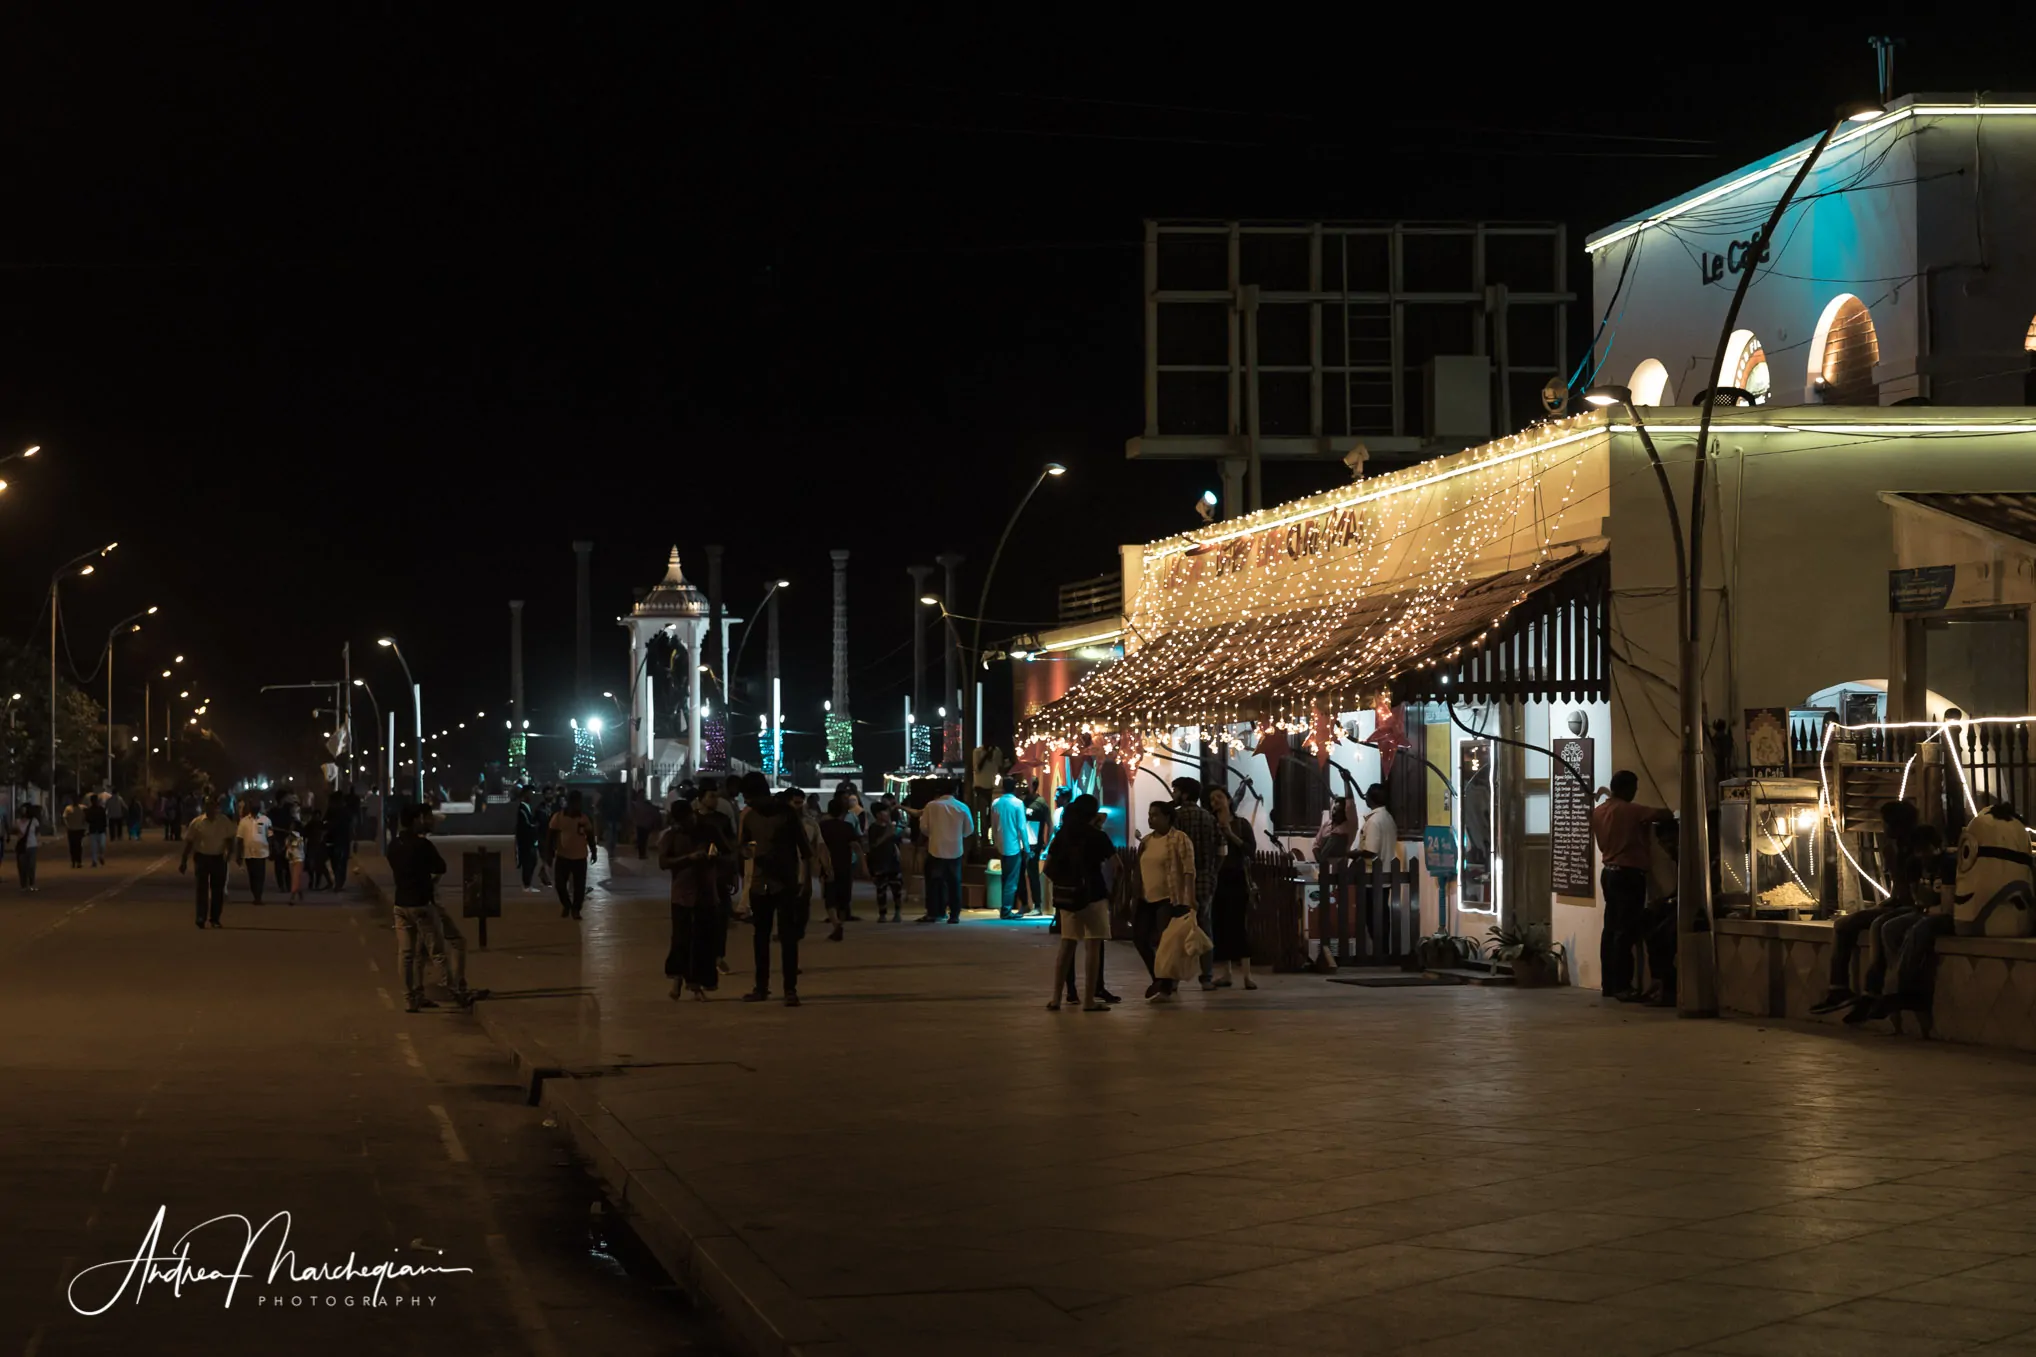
{"points": [[1904, 271]]}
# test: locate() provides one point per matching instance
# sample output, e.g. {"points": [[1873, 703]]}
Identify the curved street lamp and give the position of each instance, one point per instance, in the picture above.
{"points": [[84, 563], [1051, 471], [130, 624], [416, 709]]}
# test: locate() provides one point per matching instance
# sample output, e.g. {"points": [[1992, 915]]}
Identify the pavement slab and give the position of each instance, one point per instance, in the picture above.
{"points": [[921, 1158]]}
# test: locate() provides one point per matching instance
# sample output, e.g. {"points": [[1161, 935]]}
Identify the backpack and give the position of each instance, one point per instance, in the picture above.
{"points": [[1063, 868]]}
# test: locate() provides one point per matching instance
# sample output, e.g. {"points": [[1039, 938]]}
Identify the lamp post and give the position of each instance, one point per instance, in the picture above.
{"points": [[131, 623], [385, 775], [1696, 945], [416, 710], [1051, 470], [81, 564]]}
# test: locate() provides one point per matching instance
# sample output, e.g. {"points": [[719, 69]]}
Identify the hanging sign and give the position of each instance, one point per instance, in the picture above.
{"points": [[1925, 589], [1569, 817]]}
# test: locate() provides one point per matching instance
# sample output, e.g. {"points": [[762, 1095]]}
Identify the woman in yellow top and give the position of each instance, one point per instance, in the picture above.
{"points": [[1166, 888]]}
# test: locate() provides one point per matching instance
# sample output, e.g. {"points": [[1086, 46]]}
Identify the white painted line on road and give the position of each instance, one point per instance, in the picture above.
{"points": [[92, 1220], [75, 910], [383, 995], [516, 1287], [409, 1052], [453, 1149], [107, 1185]]}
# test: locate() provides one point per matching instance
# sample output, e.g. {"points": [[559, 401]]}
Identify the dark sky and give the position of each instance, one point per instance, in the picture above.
{"points": [[344, 324]]}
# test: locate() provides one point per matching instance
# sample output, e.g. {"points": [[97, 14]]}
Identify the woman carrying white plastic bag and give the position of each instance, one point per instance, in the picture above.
{"points": [[1166, 900]]}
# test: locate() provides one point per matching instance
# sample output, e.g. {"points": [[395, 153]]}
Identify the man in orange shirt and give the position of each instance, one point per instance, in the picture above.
{"points": [[1624, 831]]}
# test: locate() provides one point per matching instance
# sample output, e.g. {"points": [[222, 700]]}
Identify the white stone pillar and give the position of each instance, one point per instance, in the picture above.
{"points": [[695, 648]]}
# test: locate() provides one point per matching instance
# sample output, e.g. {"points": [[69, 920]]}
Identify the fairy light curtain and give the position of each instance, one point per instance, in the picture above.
{"points": [[1320, 603]]}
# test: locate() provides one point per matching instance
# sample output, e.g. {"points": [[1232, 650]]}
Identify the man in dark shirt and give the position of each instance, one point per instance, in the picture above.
{"points": [[1200, 827], [775, 842], [415, 864], [1622, 828], [342, 821]]}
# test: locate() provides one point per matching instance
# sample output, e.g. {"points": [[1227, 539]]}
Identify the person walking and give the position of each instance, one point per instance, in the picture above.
{"points": [[1166, 890], [647, 823], [1230, 908], [416, 866], [136, 813], [1009, 840], [1075, 866], [948, 824], [116, 816], [251, 846], [528, 838], [548, 805], [1040, 817], [839, 840], [780, 857], [28, 828], [1622, 829], [95, 829], [75, 825], [575, 845], [1200, 827], [691, 849], [290, 863], [208, 840], [887, 872], [317, 861], [342, 822]]}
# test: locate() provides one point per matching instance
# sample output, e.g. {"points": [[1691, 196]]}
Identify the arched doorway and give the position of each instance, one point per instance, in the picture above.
{"points": [[1843, 352], [1649, 383], [1745, 366]]}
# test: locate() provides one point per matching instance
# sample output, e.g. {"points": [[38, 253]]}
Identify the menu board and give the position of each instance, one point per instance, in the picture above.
{"points": [[1569, 817]]}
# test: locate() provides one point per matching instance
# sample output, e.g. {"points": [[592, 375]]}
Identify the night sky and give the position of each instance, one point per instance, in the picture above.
{"points": [[350, 325]]}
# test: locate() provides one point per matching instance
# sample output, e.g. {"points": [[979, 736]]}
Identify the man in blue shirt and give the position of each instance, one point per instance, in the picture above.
{"points": [[1010, 835]]}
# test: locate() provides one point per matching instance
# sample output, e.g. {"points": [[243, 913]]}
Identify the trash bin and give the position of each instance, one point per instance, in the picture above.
{"points": [[481, 887]]}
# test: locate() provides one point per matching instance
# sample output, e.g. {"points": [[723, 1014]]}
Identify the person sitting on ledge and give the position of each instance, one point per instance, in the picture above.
{"points": [[1906, 939], [1898, 823]]}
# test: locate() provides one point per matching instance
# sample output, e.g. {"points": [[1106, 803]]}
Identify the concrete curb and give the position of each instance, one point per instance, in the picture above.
{"points": [[699, 1249]]}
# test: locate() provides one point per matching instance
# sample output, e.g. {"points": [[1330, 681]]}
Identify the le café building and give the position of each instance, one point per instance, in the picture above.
{"points": [[1870, 515]]}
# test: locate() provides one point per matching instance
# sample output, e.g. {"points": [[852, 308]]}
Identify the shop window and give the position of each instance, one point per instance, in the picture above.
{"points": [[1300, 794], [1650, 383], [1745, 366], [1843, 352]]}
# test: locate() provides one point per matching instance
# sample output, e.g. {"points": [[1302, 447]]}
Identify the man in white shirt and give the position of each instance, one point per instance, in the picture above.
{"points": [[1380, 836], [251, 846], [1010, 834], [948, 824]]}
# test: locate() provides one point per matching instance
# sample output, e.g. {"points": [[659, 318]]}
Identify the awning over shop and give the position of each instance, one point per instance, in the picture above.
{"points": [[1532, 632]]}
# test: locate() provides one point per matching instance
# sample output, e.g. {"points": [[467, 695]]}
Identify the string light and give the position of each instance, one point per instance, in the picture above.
{"points": [[1284, 618], [840, 740]]}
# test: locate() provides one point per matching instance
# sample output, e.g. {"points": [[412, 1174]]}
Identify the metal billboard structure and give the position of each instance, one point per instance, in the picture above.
{"points": [[1317, 340]]}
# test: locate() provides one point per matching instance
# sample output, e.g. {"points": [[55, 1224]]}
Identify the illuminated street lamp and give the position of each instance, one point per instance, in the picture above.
{"points": [[81, 564], [131, 624], [416, 709], [1051, 471]]}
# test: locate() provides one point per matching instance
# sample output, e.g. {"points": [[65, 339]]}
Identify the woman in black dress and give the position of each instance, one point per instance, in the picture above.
{"points": [[691, 849], [1232, 905]]}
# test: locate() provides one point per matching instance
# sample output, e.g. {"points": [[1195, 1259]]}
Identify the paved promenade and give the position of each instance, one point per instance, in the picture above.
{"points": [[922, 1160]]}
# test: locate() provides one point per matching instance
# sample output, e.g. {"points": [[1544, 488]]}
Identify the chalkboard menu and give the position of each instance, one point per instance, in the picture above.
{"points": [[1569, 817]]}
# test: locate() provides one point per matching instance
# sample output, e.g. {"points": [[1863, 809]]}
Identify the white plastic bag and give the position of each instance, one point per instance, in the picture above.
{"points": [[1180, 949]]}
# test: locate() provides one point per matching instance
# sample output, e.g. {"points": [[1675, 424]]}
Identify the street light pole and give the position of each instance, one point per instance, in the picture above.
{"points": [[968, 687], [416, 710], [132, 622], [80, 564]]}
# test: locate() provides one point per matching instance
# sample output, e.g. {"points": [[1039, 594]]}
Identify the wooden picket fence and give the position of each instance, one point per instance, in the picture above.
{"points": [[1369, 911]]}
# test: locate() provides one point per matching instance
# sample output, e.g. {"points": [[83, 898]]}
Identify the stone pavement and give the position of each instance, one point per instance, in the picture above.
{"points": [[922, 1160]]}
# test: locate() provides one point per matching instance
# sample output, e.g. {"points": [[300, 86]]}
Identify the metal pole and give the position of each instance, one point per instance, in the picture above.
{"points": [[771, 664], [51, 792], [109, 715], [982, 607], [417, 715], [918, 574], [1255, 488]]}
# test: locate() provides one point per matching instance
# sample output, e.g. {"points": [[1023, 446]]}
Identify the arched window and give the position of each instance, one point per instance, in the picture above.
{"points": [[1746, 366], [1650, 383], [1843, 351]]}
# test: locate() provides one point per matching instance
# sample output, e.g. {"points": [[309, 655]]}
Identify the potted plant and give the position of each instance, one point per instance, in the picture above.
{"points": [[1443, 950], [1535, 960]]}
